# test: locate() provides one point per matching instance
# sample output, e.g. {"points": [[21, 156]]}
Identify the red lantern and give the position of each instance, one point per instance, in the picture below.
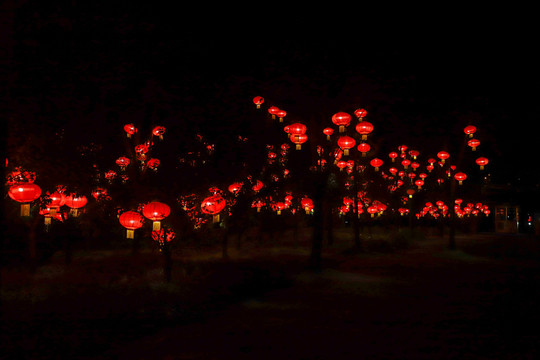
{"points": [[131, 220], [273, 110], [482, 161], [443, 155], [159, 131], [469, 130], [346, 143], [364, 128], [406, 163], [281, 114], [213, 205], [24, 193], [393, 155], [57, 199], [75, 203], [299, 140], [153, 164], [460, 177], [376, 163], [297, 129], [258, 100], [360, 113], [123, 162], [414, 153], [341, 164], [363, 148], [373, 210], [156, 212], [278, 207], [234, 188], [341, 119], [328, 131], [473, 143], [419, 183], [130, 129], [307, 204]]}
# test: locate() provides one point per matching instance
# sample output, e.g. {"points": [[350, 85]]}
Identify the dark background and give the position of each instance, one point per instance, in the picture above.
{"points": [[86, 69]]}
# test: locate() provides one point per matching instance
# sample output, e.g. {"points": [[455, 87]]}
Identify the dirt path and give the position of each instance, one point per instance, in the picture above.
{"points": [[426, 303]]}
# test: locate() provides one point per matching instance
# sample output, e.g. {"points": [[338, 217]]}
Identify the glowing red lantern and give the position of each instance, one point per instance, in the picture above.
{"points": [[299, 140], [393, 155], [213, 205], [482, 161], [153, 164], [419, 183], [346, 143], [257, 204], [341, 164], [123, 162], [328, 132], [341, 119], [406, 163], [360, 113], [130, 129], [258, 186], [258, 100], [234, 188], [156, 211], [273, 110], [75, 203], [469, 130], [364, 128], [307, 204], [473, 143], [372, 210], [460, 177], [281, 114], [159, 131], [278, 207], [24, 193], [57, 199], [376, 163], [414, 153], [363, 148], [132, 221], [443, 155]]}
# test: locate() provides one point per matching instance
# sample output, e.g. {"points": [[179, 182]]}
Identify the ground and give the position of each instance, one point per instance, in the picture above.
{"points": [[424, 302]]}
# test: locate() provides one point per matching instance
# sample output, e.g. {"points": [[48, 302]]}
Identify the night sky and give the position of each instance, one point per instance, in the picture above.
{"points": [[93, 67]]}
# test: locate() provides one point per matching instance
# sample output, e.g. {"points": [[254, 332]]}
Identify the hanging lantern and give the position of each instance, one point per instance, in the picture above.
{"points": [[123, 162], [257, 204], [393, 155], [443, 155], [473, 143], [364, 148], [360, 113], [153, 164], [328, 132], [372, 210], [364, 128], [307, 204], [75, 202], [281, 114], [234, 188], [156, 211], [213, 205], [460, 177], [24, 193], [405, 163], [273, 110], [414, 153], [482, 161], [419, 183], [299, 140], [57, 199], [346, 143], [341, 119], [258, 100], [159, 131], [469, 130], [257, 186], [376, 163], [132, 221], [278, 207], [130, 129], [341, 164]]}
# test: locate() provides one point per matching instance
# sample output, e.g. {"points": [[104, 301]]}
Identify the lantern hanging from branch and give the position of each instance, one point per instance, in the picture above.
{"points": [[159, 131], [57, 199], [130, 129], [364, 128], [299, 140], [24, 193], [328, 132], [376, 163], [360, 113], [469, 130], [443, 155], [75, 202], [460, 177], [281, 114], [272, 110], [364, 148], [156, 211], [482, 161], [473, 143], [346, 143], [258, 100], [132, 221], [123, 162], [307, 204], [341, 119], [213, 205]]}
